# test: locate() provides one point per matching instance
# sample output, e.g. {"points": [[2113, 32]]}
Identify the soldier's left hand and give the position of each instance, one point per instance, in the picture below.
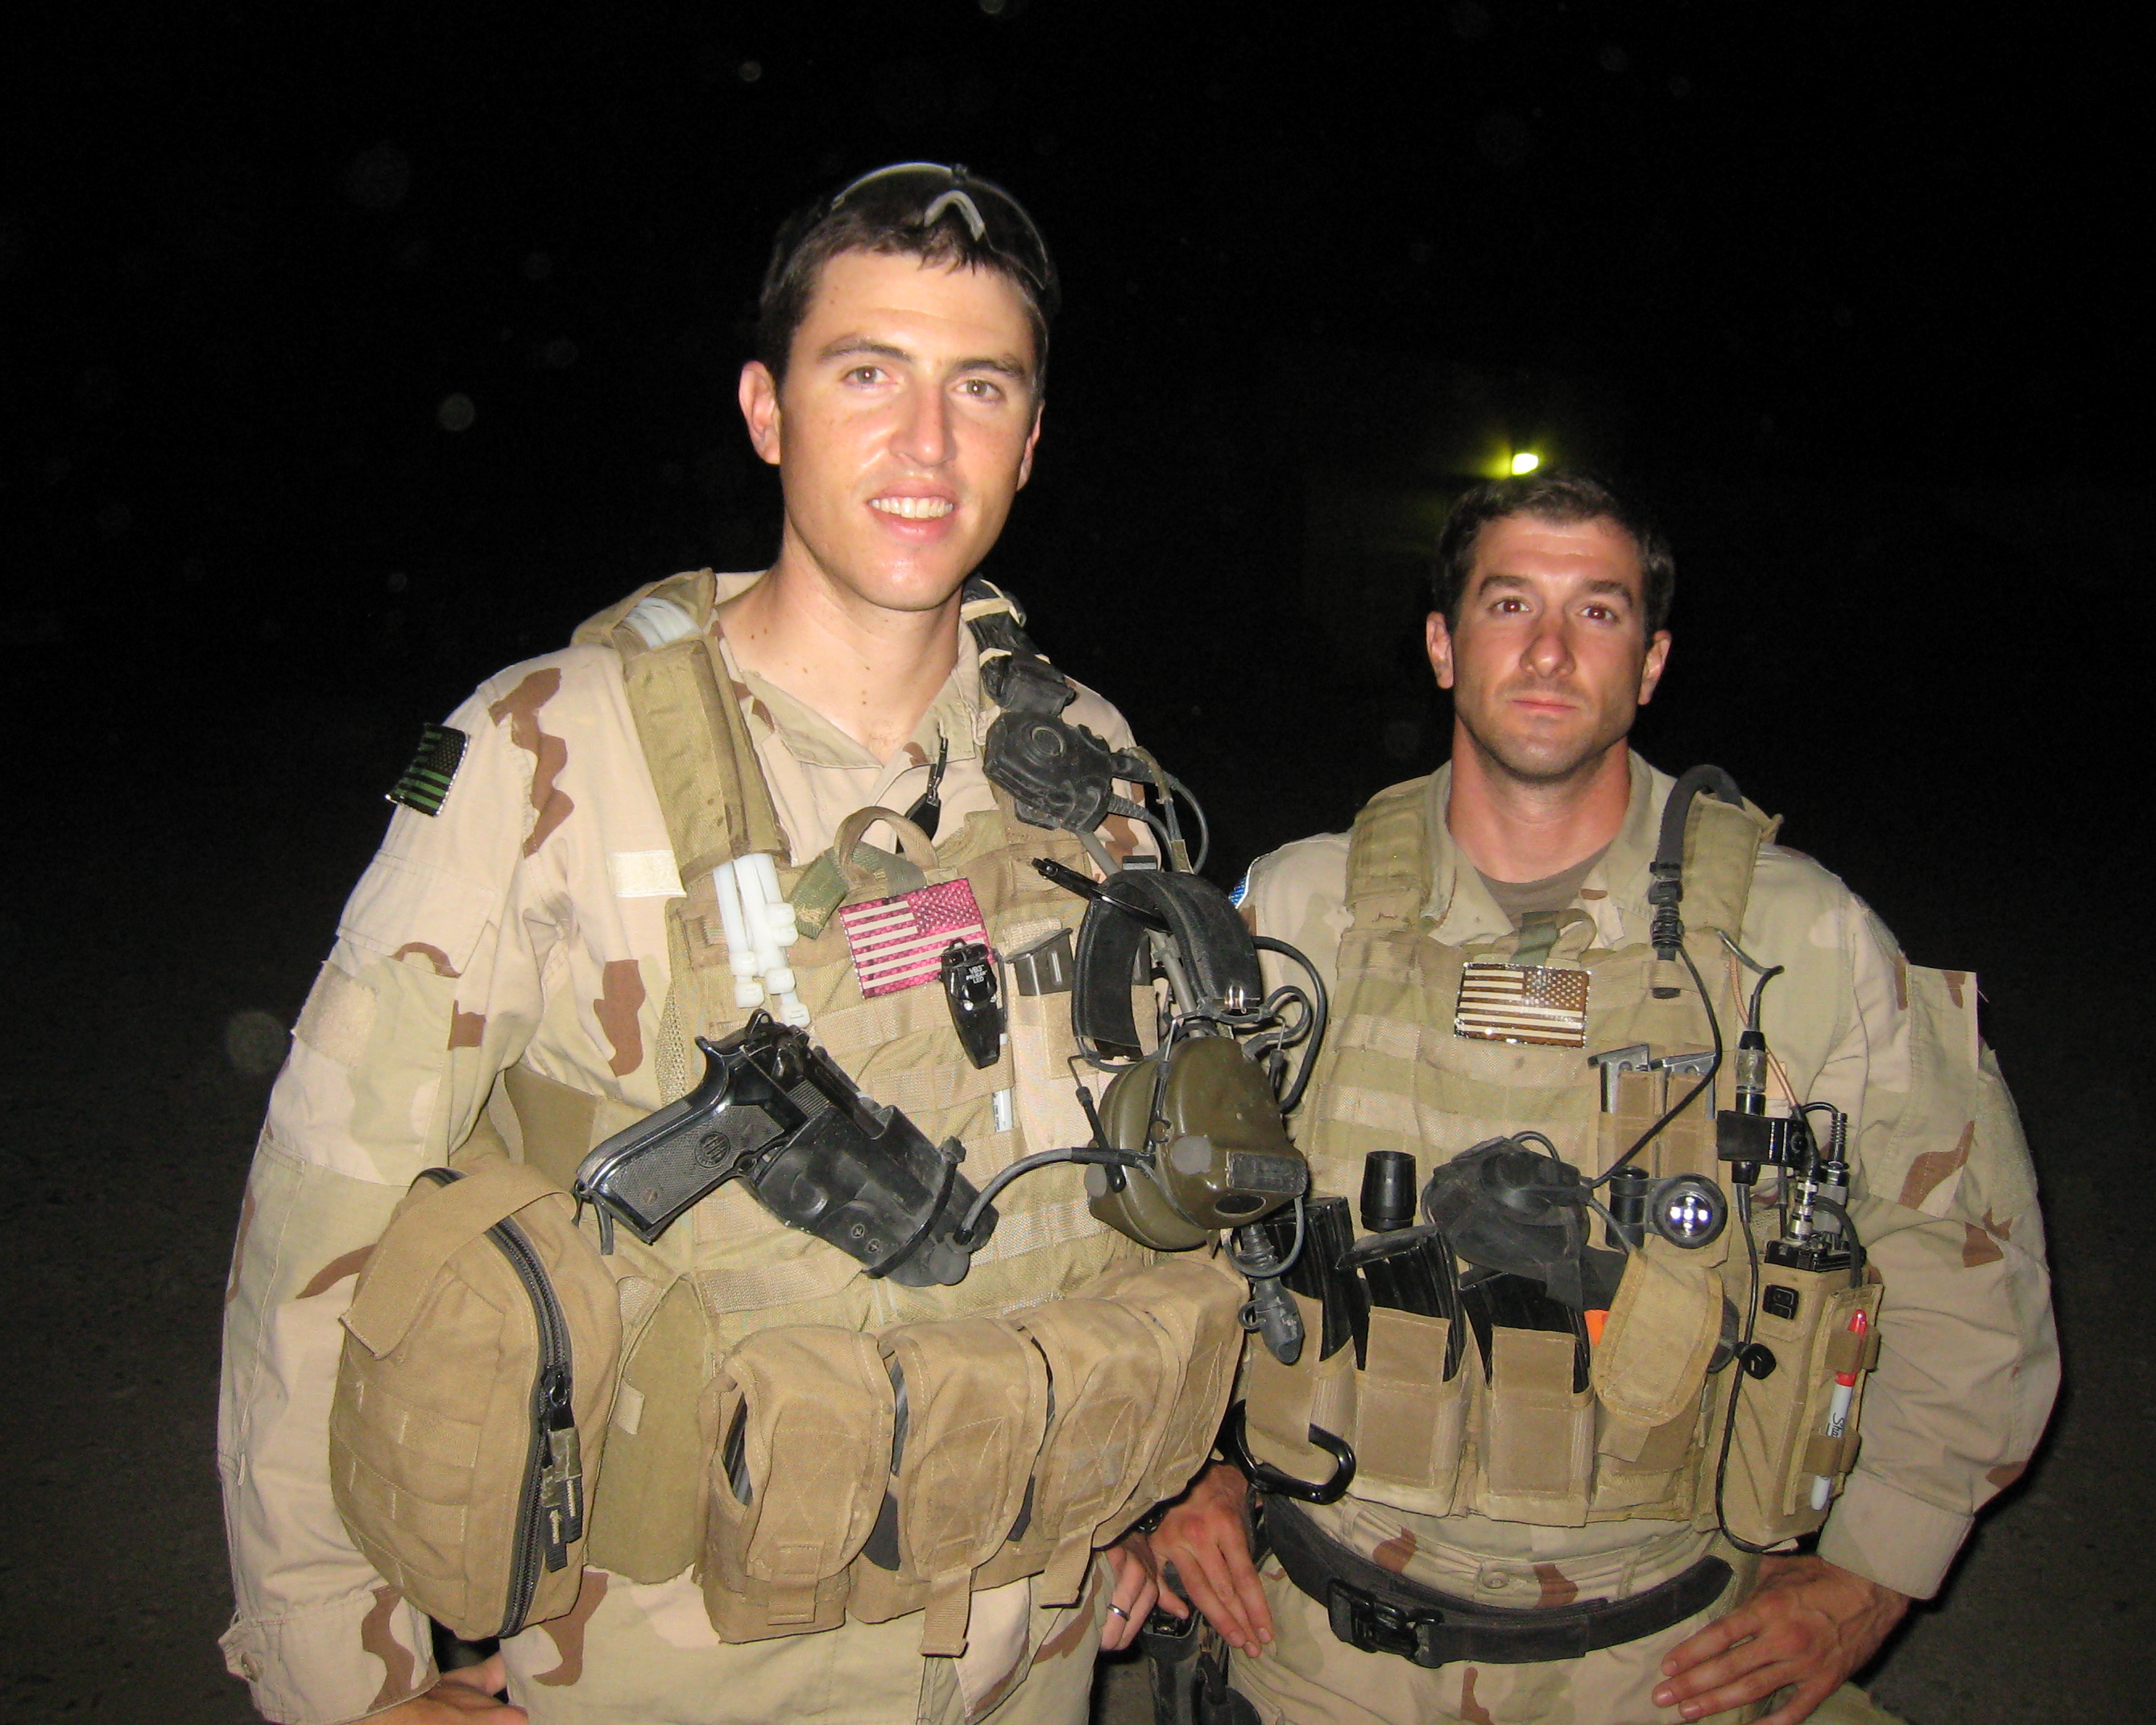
{"points": [[1137, 1586], [1809, 1624]]}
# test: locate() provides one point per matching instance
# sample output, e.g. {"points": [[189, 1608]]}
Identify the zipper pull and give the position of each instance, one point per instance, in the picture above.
{"points": [[562, 1480]]}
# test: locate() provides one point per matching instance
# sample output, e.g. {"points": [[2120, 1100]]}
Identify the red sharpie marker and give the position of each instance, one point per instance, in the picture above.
{"points": [[1837, 1414]]}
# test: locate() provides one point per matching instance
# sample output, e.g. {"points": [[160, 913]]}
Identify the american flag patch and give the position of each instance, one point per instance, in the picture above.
{"points": [[898, 942], [1523, 1003]]}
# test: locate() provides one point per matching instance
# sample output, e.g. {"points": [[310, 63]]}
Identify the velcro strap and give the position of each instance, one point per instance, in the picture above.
{"points": [[1829, 1457], [912, 842], [816, 1447], [432, 1225], [977, 1409], [1848, 1351], [1111, 1377]]}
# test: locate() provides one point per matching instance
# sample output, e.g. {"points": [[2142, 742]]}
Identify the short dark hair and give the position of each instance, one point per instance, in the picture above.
{"points": [[940, 215], [1560, 497]]}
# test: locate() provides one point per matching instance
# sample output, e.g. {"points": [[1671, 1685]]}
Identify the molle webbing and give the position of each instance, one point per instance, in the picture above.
{"points": [[1522, 1443], [1389, 856], [1389, 875], [696, 739], [1722, 849]]}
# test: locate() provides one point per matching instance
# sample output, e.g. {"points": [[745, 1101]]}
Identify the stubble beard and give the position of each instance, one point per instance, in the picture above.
{"points": [[1545, 767]]}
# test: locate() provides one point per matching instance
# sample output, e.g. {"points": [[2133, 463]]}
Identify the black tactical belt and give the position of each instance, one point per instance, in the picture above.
{"points": [[1379, 1612]]}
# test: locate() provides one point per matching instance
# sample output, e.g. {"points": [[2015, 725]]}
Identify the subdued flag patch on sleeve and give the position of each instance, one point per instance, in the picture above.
{"points": [[426, 782]]}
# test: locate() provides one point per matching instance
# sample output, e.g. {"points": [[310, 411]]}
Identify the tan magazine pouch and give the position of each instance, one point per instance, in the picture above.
{"points": [[1194, 1302], [1410, 1420], [448, 1468], [1537, 1444], [977, 1407], [1283, 1403], [1651, 1362], [1781, 1442], [798, 1423], [1111, 1383]]}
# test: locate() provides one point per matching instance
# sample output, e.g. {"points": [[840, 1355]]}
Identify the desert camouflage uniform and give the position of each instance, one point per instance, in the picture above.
{"points": [[1969, 1362], [527, 923]]}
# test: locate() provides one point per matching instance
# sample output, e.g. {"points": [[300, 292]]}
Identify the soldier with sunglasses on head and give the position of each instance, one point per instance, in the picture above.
{"points": [[525, 970]]}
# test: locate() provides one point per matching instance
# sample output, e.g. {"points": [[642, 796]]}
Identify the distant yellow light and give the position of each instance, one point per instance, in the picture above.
{"points": [[1527, 461]]}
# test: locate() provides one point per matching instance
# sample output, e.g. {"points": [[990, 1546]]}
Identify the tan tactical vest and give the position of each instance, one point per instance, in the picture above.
{"points": [[1524, 1446], [729, 1282]]}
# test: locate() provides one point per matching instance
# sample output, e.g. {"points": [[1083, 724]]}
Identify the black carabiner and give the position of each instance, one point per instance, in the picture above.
{"points": [[1269, 1478]]}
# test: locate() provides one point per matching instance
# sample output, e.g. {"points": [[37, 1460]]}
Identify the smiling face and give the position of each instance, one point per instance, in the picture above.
{"points": [[1550, 660], [905, 426]]}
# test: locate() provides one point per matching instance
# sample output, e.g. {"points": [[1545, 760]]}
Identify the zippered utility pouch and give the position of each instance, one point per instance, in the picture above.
{"points": [[482, 1348]]}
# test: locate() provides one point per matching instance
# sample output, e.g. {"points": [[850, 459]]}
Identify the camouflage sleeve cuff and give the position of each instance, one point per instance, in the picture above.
{"points": [[1888, 1537], [337, 1662]]}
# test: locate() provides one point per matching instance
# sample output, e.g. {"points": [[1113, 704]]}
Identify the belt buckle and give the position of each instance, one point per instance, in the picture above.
{"points": [[1375, 1626]]}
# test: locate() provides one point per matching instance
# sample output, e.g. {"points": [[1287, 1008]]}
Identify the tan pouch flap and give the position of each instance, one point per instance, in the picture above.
{"points": [[816, 1445], [1537, 1440], [430, 1227], [1662, 1329], [1532, 1367], [1195, 1300], [1409, 1418], [1111, 1379], [977, 1409]]}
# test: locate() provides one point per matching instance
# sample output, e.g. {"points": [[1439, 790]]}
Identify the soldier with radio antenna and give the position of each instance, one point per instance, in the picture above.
{"points": [[1562, 1524]]}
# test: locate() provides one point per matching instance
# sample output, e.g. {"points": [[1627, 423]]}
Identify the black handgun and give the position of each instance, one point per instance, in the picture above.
{"points": [[775, 1110]]}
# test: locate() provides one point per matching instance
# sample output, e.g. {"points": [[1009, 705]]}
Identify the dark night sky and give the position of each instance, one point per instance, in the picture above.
{"points": [[1839, 284], [1848, 290]]}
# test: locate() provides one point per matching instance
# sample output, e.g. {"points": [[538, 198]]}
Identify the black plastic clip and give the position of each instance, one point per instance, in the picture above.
{"points": [[1267, 1477]]}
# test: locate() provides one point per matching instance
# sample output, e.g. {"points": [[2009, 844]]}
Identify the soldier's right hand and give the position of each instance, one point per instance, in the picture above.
{"points": [[1207, 1537], [462, 1698]]}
